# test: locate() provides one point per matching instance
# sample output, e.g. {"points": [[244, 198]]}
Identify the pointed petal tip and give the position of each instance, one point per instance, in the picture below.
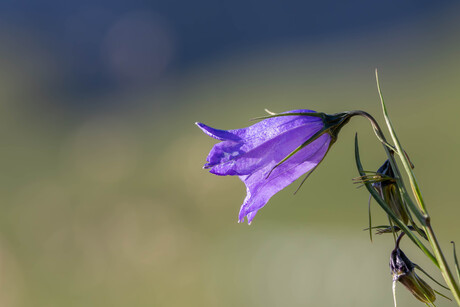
{"points": [[241, 220], [201, 126], [218, 134], [241, 217], [206, 129]]}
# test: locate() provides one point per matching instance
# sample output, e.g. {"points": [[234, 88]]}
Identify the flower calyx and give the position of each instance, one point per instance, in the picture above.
{"points": [[333, 123]]}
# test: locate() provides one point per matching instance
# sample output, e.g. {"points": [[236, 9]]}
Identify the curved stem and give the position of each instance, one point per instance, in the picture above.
{"points": [[378, 131], [399, 239]]}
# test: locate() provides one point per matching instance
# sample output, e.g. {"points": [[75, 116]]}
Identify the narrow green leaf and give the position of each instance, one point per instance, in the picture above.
{"points": [[420, 231], [439, 293], [393, 230], [429, 276], [402, 154], [370, 216], [456, 261]]}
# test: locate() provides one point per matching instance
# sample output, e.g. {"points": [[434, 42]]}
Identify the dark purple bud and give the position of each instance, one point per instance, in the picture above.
{"points": [[402, 270]]}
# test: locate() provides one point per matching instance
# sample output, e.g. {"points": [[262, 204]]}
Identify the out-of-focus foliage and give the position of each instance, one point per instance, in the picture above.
{"points": [[104, 203]]}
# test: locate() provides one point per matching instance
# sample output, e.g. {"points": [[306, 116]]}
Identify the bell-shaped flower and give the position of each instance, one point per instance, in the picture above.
{"points": [[271, 154]]}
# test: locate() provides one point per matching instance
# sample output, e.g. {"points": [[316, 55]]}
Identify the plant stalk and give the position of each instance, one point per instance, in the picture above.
{"points": [[443, 266], [442, 263]]}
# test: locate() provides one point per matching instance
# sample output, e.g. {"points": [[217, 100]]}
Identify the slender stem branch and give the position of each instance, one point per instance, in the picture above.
{"points": [[405, 161], [399, 239], [444, 267], [442, 263]]}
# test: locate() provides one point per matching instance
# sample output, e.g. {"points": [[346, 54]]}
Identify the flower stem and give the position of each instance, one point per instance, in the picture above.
{"points": [[442, 263], [444, 267]]}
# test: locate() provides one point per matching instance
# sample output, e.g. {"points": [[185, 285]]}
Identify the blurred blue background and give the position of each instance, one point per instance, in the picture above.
{"points": [[103, 200], [98, 47]]}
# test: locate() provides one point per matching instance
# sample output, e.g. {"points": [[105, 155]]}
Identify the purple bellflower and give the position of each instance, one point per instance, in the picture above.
{"points": [[273, 153]]}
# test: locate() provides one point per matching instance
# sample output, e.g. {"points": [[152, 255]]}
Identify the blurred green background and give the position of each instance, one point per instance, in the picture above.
{"points": [[103, 200]]}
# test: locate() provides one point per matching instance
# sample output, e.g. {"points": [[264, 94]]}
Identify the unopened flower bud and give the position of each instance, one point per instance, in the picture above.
{"points": [[402, 270], [389, 191]]}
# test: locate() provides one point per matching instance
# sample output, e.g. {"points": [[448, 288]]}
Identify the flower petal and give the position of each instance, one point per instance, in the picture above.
{"points": [[243, 159], [260, 189], [271, 127], [243, 151], [223, 153], [221, 135]]}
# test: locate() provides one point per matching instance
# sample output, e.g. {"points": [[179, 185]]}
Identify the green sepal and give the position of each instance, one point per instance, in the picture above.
{"points": [[439, 293], [310, 172], [312, 114], [429, 276], [331, 125], [388, 229]]}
